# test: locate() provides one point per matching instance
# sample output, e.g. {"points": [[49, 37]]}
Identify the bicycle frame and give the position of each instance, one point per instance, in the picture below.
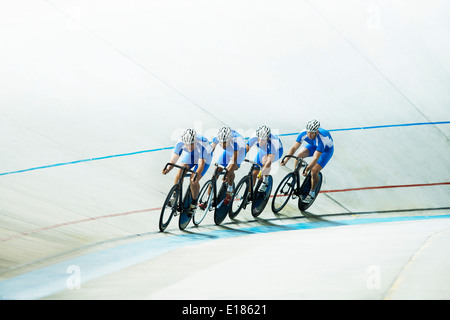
{"points": [[296, 171], [296, 188], [215, 177], [250, 174], [213, 185], [250, 194], [213, 198], [184, 174]]}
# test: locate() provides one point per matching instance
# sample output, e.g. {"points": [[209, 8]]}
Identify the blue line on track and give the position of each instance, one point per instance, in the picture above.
{"points": [[40, 283], [169, 148]]}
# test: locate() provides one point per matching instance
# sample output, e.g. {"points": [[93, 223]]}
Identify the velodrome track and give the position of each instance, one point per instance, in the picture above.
{"points": [[96, 93]]}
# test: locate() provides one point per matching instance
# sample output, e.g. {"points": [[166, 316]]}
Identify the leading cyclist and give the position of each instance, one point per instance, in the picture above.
{"points": [[270, 149], [319, 145], [198, 155]]}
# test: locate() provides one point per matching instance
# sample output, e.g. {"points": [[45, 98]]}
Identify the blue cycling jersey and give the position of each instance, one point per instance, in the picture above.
{"points": [[202, 150], [273, 145], [322, 143], [236, 143]]}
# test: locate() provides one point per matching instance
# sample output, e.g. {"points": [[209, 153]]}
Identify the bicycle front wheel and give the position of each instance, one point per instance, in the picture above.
{"points": [[205, 199], [169, 207], [283, 192], [240, 197]]}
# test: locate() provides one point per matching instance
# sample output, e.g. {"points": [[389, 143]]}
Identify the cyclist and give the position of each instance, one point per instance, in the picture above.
{"points": [[198, 155], [319, 145], [234, 151], [270, 149]]}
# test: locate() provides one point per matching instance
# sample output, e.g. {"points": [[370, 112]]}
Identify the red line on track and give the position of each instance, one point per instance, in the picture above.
{"points": [[388, 187], [26, 233]]}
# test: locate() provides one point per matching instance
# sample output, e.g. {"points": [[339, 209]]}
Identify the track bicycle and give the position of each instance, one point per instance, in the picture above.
{"points": [[209, 199], [246, 192], [175, 204], [291, 186]]}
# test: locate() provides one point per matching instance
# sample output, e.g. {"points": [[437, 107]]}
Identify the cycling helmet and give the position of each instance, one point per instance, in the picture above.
{"points": [[313, 125], [263, 132], [189, 136], [224, 134]]}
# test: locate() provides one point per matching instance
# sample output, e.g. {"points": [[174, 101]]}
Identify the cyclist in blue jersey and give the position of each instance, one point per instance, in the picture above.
{"points": [[234, 151], [319, 145], [270, 149], [197, 154]]}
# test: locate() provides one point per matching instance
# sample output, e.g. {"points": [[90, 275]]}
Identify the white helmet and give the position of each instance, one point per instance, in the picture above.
{"points": [[313, 125], [224, 134], [263, 132], [189, 136]]}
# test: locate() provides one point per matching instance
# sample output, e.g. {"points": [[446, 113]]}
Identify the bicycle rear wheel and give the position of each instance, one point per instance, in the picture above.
{"points": [[261, 198], [222, 209], [184, 216], [304, 191], [283, 192], [169, 209], [239, 197], [205, 198]]}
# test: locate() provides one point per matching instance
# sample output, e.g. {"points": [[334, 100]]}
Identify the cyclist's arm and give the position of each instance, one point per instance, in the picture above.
{"points": [[233, 160], [173, 160], [214, 143], [251, 141], [294, 148]]}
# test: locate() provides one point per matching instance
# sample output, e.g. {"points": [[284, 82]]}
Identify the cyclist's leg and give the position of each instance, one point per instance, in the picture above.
{"points": [[240, 158], [195, 185], [265, 159], [259, 160], [315, 178], [190, 161], [321, 163], [278, 155], [224, 160], [269, 159], [262, 159]]}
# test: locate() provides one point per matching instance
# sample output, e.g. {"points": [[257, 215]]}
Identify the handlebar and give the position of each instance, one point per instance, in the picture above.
{"points": [[223, 168], [185, 170], [253, 163], [301, 161]]}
